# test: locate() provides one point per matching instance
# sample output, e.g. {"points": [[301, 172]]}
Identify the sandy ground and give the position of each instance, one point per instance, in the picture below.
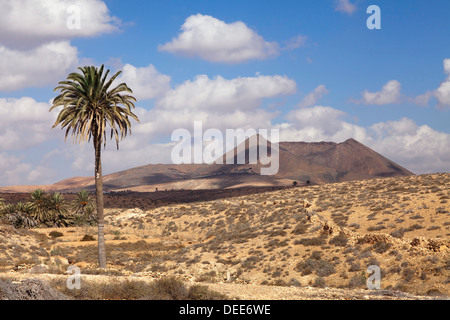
{"points": [[322, 238]]}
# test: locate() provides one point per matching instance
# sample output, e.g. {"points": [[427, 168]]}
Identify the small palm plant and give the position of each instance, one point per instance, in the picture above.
{"points": [[81, 202], [60, 213], [83, 208], [18, 215], [39, 206]]}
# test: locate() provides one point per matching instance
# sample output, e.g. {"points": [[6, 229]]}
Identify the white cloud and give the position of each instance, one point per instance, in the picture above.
{"points": [[41, 66], [345, 6], [311, 98], [319, 123], [219, 103], [16, 170], [295, 42], [24, 123], [12, 169], [389, 94], [214, 40], [420, 149], [146, 82], [220, 94], [442, 94], [30, 23], [423, 99], [447, 66]]}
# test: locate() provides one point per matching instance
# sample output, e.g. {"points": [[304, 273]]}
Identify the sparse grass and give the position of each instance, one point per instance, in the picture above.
{"points": [[340, 240], [315, 264], [162, 289], [387, 222]]}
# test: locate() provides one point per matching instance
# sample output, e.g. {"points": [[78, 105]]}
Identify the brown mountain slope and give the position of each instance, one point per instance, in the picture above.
{"points": [[313, 163], [333, 162]]}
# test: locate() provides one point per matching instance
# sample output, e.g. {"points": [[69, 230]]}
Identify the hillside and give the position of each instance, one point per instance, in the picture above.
{"points": [[322, 236], [305, 163]]}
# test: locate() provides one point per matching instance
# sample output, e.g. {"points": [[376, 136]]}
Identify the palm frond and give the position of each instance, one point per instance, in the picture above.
{"points": [[90, 107]]}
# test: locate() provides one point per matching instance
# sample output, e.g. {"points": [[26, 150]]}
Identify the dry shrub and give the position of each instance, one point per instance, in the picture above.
{"points": [[168, 288], [339, 240], [314, 263]]}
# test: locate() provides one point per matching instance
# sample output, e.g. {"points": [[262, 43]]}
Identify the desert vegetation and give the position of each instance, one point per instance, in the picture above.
{"points": [[323, 236], [49, 210]]}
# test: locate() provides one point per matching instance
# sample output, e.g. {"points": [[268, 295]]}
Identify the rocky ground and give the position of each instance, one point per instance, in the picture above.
{"points": [[311, 242]]}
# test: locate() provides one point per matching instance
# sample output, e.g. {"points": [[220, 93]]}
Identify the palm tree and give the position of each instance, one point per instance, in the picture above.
{"points": [[58, 206], [89, 106], [18, 214], [39, 206], [81, 202], [83, 207]]}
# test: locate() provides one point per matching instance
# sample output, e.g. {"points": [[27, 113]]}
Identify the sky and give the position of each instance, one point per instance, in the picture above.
{"points": [[314, 70]]}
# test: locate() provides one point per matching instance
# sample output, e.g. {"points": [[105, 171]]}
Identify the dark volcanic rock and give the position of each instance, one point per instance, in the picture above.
{"points": [[30, 289]]}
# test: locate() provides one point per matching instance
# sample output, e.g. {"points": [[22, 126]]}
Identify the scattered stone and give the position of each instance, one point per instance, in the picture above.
{"points": [[30, 289]]}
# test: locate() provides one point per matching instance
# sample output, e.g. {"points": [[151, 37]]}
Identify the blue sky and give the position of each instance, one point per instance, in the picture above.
{"points": [[309, 68]]}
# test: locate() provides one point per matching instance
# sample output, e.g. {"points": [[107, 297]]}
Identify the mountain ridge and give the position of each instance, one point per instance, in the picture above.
{"points": [[299, 163]]}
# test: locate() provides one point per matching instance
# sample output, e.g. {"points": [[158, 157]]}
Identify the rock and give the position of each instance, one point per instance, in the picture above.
{"points": [[30, 289]]}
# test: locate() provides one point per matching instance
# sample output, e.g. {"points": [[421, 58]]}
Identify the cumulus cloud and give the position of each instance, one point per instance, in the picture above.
{"points": [[30, 23], [146, 82], [319, 123], [12, 169], [46, 64], [442, 94], [216, 41], [17, 170], [311, 98], [389, 94], [220, 94], [35, 47], [423, 99], [24, 123], [420, 149], [345, 6], [217, 102]]}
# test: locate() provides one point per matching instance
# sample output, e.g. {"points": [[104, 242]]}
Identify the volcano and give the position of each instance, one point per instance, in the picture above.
{"points": [[300, 163]]}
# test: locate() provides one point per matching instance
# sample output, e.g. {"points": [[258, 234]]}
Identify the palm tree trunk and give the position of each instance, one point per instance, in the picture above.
{"points": [[99, 198]]}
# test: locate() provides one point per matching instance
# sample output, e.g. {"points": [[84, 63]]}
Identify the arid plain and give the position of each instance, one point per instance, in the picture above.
{"points": [[305, 242]]}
